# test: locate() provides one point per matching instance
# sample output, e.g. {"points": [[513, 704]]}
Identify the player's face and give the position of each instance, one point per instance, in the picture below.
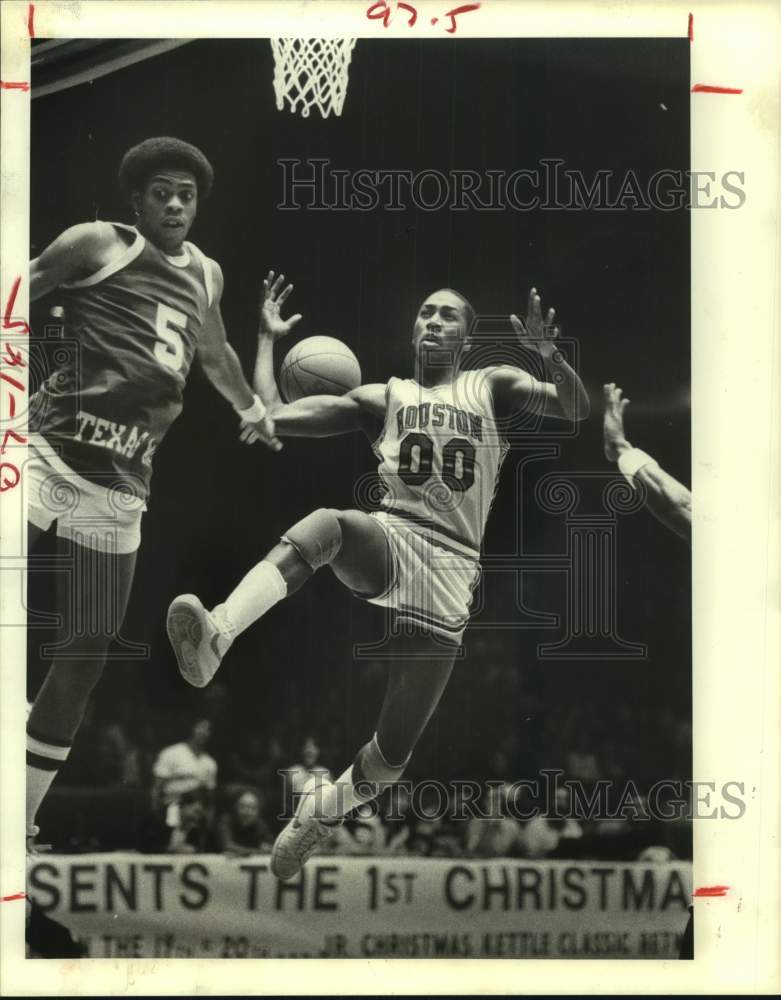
{"points": [[440, 329], [166, 208], [247, 809], [202, 731]]}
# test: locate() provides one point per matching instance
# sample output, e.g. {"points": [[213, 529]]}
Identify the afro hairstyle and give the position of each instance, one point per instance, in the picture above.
{"points": [[164, 151]]}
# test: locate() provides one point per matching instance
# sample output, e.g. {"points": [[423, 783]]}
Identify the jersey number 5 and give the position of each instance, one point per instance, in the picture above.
{"points": [[169, 326], [416, 460]]}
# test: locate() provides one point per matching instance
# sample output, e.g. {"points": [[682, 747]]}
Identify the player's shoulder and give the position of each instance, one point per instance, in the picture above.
{"points": [[89, 238]]}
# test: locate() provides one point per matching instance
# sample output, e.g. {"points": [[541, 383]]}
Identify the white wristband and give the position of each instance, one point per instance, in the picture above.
{"points": [[630, 462], [253, 413]]}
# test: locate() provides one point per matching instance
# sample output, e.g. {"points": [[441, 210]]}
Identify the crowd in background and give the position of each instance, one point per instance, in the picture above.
{"points": [[212, 781]]}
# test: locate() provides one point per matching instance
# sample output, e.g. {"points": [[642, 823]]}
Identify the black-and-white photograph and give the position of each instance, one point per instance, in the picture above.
{"points": [[358, 491]]}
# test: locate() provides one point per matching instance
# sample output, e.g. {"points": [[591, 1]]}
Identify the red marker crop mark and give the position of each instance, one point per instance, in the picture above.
{"points": [[706, 88], [9, 899], [710, 891], [8, 323], [691, 27], [14, 85], [31, 21]]}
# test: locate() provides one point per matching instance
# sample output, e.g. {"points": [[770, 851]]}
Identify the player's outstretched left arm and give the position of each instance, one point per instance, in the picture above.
{"points": [[223, 369], [668, 500], [562, 393], [313, 416]]}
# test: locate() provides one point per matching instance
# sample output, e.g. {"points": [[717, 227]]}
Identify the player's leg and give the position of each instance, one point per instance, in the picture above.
{"points": [[92, 600], [351, 542], [416, 681]]}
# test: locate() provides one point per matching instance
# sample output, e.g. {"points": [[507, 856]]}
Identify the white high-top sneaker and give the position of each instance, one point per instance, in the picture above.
{"points": [[200, 639], [299, 840]]}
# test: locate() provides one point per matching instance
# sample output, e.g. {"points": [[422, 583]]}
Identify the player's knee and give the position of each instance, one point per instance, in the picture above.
{"points": [[371, 768], [317, 538]]}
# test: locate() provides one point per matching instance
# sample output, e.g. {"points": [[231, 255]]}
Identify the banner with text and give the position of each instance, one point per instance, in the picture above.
{"points": [[132, 905]]}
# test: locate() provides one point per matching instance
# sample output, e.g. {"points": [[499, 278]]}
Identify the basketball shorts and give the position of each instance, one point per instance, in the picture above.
{"points": [[431, 585], [104, 518]]}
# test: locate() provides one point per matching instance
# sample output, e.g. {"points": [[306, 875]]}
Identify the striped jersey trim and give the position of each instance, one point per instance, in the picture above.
{"points": [[113, 266], [437, 529], [208, 277]]}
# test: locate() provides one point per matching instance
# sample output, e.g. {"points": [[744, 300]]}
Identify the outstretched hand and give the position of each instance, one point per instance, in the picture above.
{"points": [[261, 430], [613, 422], [534, 331], [272, 300]]}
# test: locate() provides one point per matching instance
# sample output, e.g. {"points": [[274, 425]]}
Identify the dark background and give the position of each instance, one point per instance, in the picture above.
{"points": [[619, 280]]}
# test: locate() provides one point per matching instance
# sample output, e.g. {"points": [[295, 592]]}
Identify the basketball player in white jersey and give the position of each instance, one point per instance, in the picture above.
{"points": [[440, 446]]}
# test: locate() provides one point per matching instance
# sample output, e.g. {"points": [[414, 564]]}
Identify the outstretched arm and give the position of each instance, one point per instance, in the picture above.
{"points": [[562, 394], [312, 416], [223, 369], [668, 500]]}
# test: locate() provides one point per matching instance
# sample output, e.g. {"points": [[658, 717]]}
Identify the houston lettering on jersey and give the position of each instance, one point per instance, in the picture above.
{"points": [[422, 415]]}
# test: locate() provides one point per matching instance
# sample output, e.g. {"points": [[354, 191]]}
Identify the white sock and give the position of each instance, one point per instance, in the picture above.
{"points": [[44, 759], [341, 798], [38, 783], [262, 588]]}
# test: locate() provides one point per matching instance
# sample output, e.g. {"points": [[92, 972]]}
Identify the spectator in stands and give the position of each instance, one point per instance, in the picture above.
{"points": [[494, 835], [368, 834], [298, 775], [547, 836], [398, 819], [185, 766], [183, 828], [243, 830], [117, 761], [433, 834]]}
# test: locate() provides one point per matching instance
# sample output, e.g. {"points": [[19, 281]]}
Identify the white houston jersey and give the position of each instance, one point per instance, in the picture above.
{"points": [[440, 455]]}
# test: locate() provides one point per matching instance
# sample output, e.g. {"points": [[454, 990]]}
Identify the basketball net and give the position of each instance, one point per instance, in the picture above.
{"points": [[312, 71]]}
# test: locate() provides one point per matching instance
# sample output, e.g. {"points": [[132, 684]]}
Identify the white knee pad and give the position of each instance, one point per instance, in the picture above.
{"points": [[317, 538]]}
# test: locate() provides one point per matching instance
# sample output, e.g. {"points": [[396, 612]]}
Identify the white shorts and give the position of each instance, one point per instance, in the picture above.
{"points": [[95, 516], [431, 584]]}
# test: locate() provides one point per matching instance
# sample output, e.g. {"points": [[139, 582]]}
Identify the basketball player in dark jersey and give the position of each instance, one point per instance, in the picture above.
{"points": [[141, 303]]}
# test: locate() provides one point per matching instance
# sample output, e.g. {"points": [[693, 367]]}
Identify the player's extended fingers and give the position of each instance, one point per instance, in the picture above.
{"points": [[518, 325], [277, 285], [624, 404], [537, 310], [607, 391], [284, 294], [296, 318], [530, 303]]}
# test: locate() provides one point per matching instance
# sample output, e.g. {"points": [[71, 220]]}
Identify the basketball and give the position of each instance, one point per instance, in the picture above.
{"points": [[319, 366]]}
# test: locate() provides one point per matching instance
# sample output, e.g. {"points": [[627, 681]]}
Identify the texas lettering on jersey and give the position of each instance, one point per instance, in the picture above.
{"points": [[136, 323], [118, 437]]}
